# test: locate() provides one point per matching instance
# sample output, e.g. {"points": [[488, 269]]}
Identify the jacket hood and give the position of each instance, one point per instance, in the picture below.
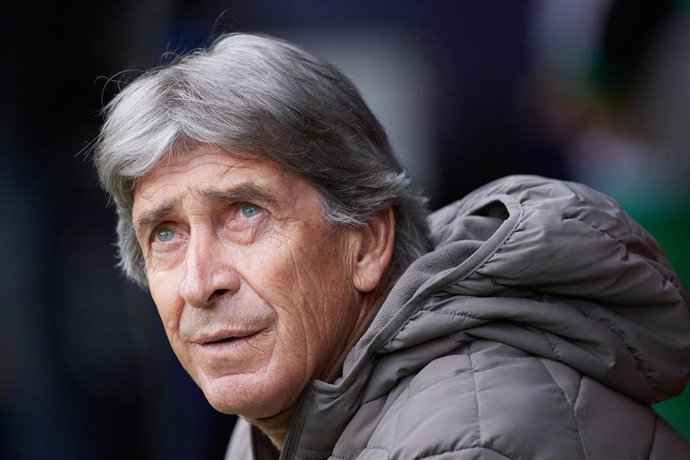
{"points": [[553, 268], [559, 270]]}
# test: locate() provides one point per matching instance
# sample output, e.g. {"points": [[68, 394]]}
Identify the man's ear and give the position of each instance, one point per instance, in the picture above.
{"points": [[375, 250]]}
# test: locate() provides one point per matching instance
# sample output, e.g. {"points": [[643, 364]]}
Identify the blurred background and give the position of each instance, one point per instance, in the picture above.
{"points": [[590, 90]]}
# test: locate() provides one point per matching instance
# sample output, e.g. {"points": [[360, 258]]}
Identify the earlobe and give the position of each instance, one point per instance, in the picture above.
{"points": [[375, 251]]}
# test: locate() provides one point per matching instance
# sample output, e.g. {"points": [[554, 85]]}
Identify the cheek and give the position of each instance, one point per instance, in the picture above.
{"points": [[302, 272], [170, 309], [168, 304], [308, 283]]}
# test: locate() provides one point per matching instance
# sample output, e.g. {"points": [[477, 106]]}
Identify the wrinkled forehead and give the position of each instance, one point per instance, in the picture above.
{"points": [[182, 161], [210, 174]]}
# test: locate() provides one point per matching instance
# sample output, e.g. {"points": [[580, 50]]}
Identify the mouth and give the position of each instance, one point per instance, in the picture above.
{"points": [[226, 338]]}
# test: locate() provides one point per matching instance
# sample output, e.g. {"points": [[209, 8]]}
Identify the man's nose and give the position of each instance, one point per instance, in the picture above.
{"points": [[209, 274]]}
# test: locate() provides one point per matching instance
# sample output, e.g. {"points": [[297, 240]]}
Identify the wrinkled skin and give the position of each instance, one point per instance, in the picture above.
{"points": [[256, 293]]}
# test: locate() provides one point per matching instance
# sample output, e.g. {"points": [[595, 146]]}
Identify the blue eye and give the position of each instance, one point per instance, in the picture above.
{"points": [[249, 210], [164, 234]]}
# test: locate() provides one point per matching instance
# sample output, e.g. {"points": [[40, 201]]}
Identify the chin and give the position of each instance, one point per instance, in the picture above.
{"points": [[230, 406], [239, 395], [228, 396], [223, 406]]}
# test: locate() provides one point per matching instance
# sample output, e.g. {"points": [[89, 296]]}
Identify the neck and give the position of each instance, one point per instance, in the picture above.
{"points": [[276, 426]]}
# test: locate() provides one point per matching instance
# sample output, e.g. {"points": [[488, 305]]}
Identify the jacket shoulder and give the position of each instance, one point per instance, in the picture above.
{"points": [[488, 401]]}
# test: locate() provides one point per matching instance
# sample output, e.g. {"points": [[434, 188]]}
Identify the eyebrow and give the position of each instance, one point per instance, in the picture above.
{"points": [[151, 218], [244, 192]]}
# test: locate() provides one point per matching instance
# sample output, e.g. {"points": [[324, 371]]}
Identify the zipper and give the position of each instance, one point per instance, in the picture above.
{"points": [[297, 425]]}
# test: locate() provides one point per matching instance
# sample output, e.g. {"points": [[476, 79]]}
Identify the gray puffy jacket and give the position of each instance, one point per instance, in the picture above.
{"points": [[542, 326]]}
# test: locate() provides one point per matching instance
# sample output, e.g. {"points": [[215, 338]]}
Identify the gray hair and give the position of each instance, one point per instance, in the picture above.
{"points": [[259, 97]]}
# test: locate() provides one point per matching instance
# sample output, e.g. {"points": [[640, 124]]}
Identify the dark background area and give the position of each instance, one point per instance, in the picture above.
{"points": [[593, 91]]}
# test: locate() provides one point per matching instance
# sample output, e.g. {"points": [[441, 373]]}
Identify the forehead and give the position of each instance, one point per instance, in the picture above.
{"points": [[205, 162], [203, 170]]}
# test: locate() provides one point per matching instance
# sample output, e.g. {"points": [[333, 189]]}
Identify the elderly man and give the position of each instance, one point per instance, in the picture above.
{"points": [[303, 286]]}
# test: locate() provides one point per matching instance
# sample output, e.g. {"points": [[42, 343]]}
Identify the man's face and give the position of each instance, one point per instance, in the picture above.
{"points": [[254, 290]]}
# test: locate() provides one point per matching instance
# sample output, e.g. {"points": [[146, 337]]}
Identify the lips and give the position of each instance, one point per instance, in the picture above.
{"points": [[223, 340], [225, 337]]}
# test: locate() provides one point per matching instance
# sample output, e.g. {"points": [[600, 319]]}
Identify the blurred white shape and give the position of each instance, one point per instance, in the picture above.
{"points": [[395, 78], [639, 153]]}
